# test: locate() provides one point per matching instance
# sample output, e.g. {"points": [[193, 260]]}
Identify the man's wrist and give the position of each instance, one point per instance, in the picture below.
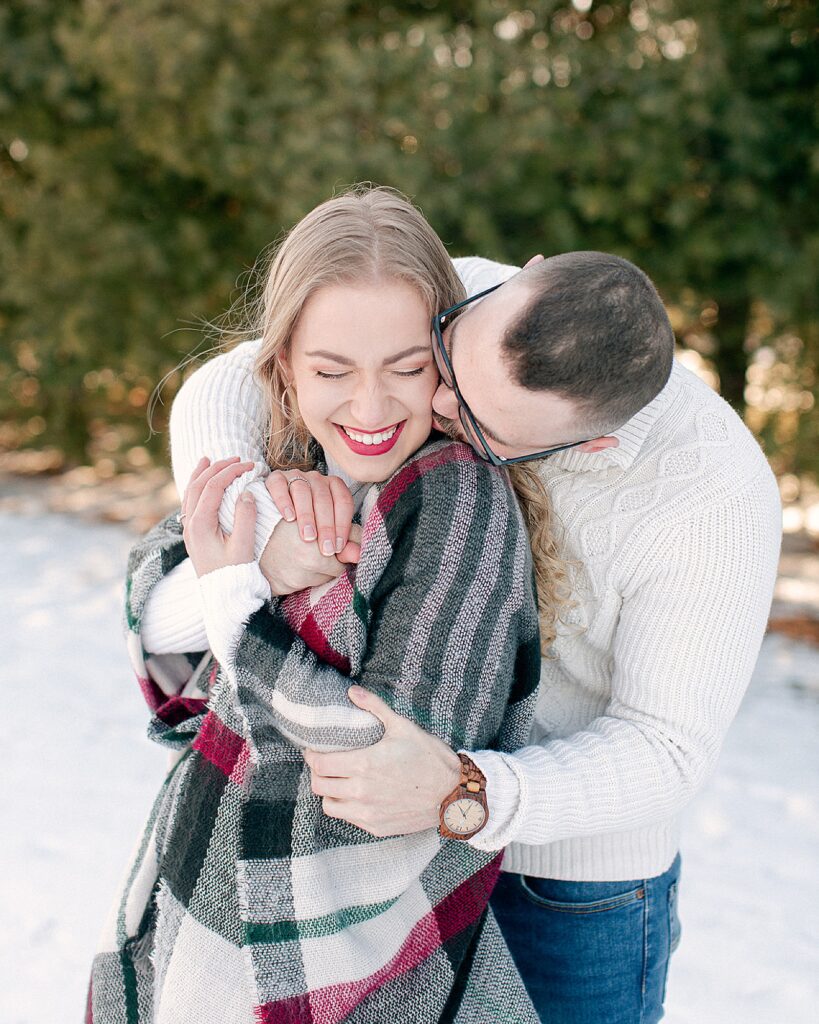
{"points": [[452, 773], [506, 798]]}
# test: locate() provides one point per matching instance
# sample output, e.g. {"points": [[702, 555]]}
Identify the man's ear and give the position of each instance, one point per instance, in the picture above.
{"points": [[598, 444], [533, 261]]}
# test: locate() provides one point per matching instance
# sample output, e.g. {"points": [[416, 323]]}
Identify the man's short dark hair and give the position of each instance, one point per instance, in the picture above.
{"points": [[596, 332]]}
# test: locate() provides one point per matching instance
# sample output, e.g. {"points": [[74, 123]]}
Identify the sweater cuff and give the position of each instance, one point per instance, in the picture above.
{"points": [[505, 797], [268, 516], [230, 595]]}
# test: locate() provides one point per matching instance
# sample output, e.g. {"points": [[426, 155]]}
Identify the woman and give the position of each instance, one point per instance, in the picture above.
{"points": [[244, 902]]}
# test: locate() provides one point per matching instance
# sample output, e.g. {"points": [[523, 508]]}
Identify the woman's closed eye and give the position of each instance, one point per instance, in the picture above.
{"points": [[324, 375], [411, 373]]}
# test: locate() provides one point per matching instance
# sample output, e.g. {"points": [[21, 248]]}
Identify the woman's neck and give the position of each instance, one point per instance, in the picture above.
{"points": [[334, 469], [357, 488]]}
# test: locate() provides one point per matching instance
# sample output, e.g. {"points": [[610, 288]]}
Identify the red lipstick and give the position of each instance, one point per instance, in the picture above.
{"points": [[370, 449]]}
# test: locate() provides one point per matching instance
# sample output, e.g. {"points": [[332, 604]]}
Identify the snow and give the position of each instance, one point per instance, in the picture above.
{"points": [[80, 777]]}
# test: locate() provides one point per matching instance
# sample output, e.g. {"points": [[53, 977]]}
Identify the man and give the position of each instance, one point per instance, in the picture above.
{"points": [[670, 515]]}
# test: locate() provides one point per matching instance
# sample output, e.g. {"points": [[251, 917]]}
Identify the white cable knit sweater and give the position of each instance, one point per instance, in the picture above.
{"points": [[678, 533]]}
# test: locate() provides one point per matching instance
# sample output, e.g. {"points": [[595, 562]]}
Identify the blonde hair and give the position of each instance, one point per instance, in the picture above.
{"points": [[370, 234], [552, 579]]}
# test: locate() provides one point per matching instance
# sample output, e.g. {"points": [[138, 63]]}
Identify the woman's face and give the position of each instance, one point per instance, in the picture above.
{"points": [[361, 364]]}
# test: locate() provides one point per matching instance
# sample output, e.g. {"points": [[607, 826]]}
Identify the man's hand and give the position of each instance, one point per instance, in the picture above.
{"points": [[322, 506], [290, 565], [393, 787]]}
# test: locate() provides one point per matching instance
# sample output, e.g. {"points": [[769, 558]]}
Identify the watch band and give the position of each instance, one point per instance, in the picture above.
{"points": [[472, 787], [471, 775]]}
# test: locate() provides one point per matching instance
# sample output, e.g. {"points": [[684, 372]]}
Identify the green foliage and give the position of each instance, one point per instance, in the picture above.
{"points": [[150, 151]]}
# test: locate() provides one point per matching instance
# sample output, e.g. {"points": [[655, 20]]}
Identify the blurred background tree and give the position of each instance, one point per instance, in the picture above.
{"points": [[150, 151]]}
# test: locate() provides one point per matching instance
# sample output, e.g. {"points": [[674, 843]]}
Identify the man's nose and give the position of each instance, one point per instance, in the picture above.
{"points": [[444, 402]]}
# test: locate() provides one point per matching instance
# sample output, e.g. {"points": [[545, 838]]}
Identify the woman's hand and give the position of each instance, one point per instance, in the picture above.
{"points": [[322, 506], [207, 544]]}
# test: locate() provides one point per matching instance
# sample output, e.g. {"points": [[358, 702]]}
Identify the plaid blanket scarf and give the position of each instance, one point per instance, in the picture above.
{"points": [[244, 903]]}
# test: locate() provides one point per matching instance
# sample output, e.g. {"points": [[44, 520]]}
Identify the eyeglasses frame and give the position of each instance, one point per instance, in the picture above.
{"points": [[445, 370]]}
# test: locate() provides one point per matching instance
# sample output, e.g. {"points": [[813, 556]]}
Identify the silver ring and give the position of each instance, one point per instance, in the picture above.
{"points": [[292, 480], [180, 516]]}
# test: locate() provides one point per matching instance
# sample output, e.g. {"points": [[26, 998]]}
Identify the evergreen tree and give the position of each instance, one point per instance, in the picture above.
{"points": [[151, 151]]}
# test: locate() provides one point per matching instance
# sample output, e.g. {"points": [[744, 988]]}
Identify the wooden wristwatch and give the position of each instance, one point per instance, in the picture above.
{"points": [[464, 812]]}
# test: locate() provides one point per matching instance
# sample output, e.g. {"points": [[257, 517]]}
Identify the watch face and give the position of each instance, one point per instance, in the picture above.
{"points": [[464, 815]]}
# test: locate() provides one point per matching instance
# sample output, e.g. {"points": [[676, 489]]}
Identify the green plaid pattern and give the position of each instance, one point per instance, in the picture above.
{"points": [[243, 901]]}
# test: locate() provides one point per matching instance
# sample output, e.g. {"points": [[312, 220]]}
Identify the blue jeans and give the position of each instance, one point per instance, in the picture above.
{"points": [[591, 952]]}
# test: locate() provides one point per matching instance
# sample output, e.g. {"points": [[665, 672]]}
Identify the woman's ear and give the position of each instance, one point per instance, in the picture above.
{"points": [[283, 358]]}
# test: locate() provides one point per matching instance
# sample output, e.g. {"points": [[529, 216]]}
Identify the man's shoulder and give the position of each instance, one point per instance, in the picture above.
{"points": [[477, 273], [704, 452], [698, 417]]}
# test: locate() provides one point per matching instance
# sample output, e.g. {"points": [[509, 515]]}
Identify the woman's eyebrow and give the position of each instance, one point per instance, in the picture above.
{"points": [[406, 353], [323, 354]]}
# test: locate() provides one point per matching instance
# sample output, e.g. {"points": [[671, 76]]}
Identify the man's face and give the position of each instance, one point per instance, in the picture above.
{"points": [[514, 420]]}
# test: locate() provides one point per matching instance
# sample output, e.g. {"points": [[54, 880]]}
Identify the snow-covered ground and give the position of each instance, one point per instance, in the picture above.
{"points": [[79, 778]]}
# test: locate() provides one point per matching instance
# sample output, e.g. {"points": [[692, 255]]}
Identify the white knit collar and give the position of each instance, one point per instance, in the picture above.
{"points": [[631, 436]]}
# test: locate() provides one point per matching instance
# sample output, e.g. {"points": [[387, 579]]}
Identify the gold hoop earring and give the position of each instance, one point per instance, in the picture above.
{"points": [[286, 399]]}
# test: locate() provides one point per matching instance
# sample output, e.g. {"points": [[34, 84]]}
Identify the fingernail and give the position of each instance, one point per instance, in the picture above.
{"points": [[289, 515], [309, 533], [339, 544], [356, 691], [327, 547]]}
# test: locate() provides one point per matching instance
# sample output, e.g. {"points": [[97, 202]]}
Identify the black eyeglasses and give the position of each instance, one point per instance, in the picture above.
{"points": [[440, 322]]}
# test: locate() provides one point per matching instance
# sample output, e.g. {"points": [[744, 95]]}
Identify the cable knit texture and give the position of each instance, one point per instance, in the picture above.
{"points": [[678, 535], [677, 531]]}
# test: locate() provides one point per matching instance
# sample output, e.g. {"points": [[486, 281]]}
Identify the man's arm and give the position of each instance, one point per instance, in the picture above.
{"points": [[685, 647], [173, 620], [220, 412]]}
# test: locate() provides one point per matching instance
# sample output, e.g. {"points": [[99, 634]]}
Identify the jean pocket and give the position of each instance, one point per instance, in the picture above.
{"points": [[674, 928], [544, 893]]}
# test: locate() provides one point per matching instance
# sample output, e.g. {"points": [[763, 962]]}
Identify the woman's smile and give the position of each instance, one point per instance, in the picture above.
{"points": [[370, 442]]}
